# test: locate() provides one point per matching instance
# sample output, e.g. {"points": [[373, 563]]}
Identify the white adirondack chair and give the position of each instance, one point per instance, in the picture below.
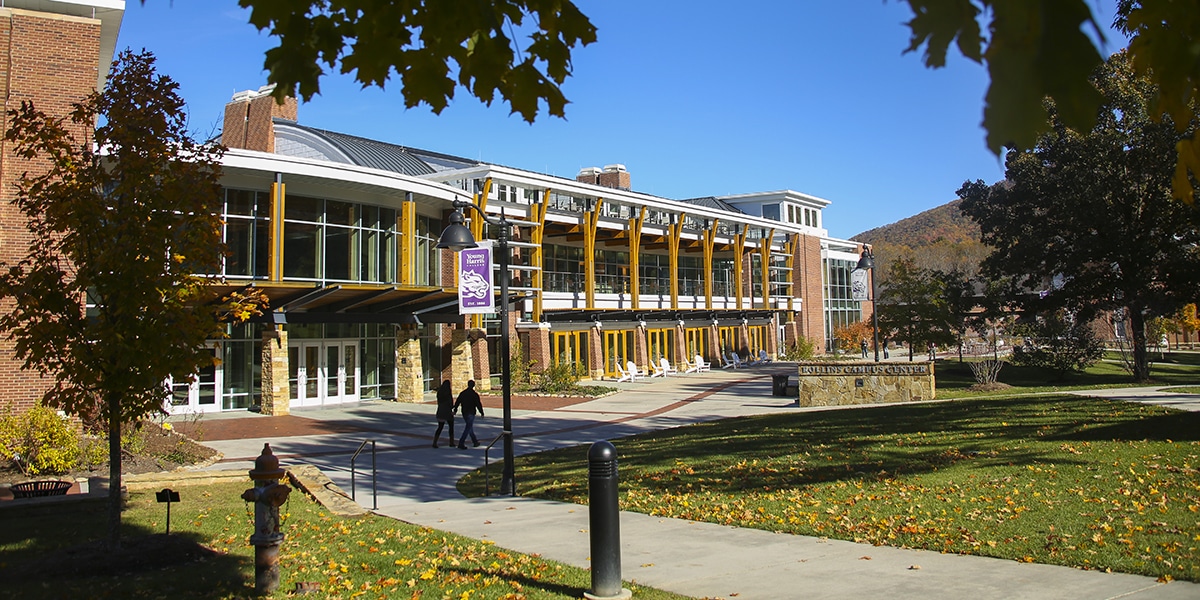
{"points": [[634, 373], [667, 369], [701, 366], [622, 374], [658, 372]]}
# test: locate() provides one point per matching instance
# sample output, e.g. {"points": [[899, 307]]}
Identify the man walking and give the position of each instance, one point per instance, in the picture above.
{"points": [[468, 400]]}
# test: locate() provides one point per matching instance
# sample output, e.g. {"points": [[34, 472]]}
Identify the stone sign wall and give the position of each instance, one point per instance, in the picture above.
{"points": [[827, 384]]}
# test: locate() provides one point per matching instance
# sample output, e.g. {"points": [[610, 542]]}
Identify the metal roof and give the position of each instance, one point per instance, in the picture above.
{"points": [[714, 202], [375, 154]]}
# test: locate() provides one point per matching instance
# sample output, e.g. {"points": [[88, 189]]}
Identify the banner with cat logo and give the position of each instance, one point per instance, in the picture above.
{"points": [[475, 280]]}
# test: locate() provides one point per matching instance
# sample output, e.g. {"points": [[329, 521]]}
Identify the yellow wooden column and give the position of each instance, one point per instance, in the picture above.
{"points": [[591, 219], [764, 259], [710, 240], [275, 237], [674, 231], [406, 224], [739, 254], [635, 242], [537, 214]]}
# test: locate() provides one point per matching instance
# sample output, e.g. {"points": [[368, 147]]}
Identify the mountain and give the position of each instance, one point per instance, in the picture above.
{"points": [[940, 238]]}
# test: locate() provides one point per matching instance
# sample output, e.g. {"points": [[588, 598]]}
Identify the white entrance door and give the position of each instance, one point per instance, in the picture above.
{"points": [[201, 395], [323, 372]]}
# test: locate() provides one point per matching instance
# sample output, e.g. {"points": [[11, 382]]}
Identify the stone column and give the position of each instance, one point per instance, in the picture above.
{"points": [[743, 339], [275, 394], [539, 348], [772, 340], [481, 364], [714, 346], [641, 350], [596, 353], [681, 353], [462, 368], [410, 378]]}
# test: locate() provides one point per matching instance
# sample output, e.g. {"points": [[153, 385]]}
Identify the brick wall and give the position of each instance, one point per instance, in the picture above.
{"points": [[49, 60], [248, 123], [806, 280]]}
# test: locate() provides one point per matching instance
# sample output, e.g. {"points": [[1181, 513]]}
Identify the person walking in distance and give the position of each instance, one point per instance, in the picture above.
{"points": [[445, 412], [468, 399]]}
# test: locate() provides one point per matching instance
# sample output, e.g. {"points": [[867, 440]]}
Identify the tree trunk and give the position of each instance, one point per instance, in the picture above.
{"points": [[113, 404], [1141, 356]]}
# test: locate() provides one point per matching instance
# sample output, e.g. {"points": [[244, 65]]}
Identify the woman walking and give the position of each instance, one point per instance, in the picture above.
{"points": [[468, 399], [445, 412]]}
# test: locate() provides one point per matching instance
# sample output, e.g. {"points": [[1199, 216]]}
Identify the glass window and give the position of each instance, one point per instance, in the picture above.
{"points": [[301, 250], [339, 253], [239, 238], [241, 202], [302, 208], [340, 213]]}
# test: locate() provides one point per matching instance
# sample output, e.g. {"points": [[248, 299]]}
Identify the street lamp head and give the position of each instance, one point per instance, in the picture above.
{"points": [[867, 262], [456, 236]]}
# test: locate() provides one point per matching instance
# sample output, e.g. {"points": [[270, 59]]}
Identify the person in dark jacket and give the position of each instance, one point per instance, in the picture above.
{"points": [[445, 412], [468, 400]]}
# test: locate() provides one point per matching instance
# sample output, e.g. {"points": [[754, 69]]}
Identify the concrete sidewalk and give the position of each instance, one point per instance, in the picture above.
{"points": [[416, 484]]}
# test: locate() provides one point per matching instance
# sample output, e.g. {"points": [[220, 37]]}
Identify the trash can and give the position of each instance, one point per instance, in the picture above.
{"points": [[779, 385]]}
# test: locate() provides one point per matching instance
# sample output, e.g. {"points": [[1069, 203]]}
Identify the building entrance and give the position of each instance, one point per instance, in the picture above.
{"points": [[323, 372], [201, 395]]}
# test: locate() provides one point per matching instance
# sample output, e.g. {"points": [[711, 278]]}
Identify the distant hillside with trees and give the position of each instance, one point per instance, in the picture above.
{"points": [[940, 238]]}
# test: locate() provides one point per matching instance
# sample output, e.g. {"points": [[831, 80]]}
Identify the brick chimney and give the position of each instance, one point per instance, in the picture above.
{"points": [[589, 175], [614, 176], [248, 118], [611, 176]]}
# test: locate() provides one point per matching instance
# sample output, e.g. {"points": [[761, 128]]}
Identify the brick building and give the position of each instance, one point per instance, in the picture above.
{"points": [[51, 54]]}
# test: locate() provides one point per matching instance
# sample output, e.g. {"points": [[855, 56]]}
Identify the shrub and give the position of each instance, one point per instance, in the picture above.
{"points": [[986, 371], [560, 378], [803, 349], [40, 441], [1059, 345]]}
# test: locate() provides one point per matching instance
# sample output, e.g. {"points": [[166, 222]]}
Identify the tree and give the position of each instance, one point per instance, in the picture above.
{"points": [[958, 292], [1057, 342], [434, 47], [913, 306], [129, 220], [1036, 49], [1087, 219], [1187, 321], [853, 335]]}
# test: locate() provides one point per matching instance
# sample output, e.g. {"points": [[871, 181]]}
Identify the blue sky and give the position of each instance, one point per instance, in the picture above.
{"points": [[696, 98]]}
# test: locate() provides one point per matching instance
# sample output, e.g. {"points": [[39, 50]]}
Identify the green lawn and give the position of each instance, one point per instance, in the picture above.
{"points": [[49, 551], [1060, 479], [954, 378]]}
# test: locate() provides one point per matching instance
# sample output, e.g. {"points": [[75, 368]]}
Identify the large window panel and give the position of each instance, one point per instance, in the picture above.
{"points": [[301, 250], [239, 239], [340, 253]]}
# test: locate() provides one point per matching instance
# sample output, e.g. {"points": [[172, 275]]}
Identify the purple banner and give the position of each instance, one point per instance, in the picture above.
{"points": [[475, 280]]}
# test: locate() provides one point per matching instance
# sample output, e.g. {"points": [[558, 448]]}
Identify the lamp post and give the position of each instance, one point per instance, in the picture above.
{"points": [[457, 237], [867, 263]]}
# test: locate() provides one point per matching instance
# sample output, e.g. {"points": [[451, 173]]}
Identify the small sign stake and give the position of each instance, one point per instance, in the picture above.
{"points": [[167, 495]]}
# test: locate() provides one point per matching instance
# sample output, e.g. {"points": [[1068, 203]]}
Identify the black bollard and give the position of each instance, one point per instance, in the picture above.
{"points": [[604, 517]]}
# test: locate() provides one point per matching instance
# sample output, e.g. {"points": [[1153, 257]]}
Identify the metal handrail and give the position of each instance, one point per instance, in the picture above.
{"points": [[487, 490], [374, 491]]}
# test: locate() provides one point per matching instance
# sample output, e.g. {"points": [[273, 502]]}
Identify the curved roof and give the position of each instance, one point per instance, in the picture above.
{"points": [[364, 152]]}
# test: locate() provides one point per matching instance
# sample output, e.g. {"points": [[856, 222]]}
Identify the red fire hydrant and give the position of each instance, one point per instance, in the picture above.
{"points": [[267, 495]]}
